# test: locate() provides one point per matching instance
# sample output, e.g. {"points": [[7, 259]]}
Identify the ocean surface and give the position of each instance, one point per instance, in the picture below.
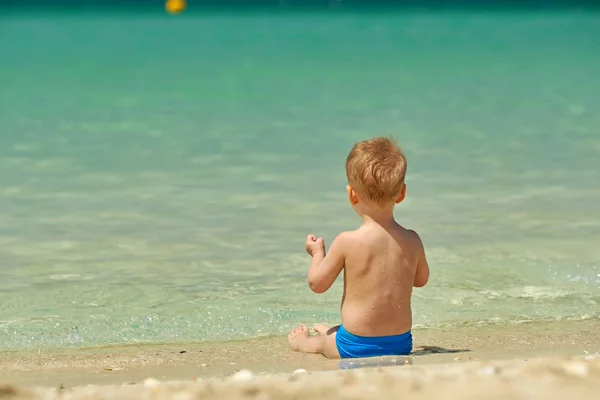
{"points": [[159, 174]]}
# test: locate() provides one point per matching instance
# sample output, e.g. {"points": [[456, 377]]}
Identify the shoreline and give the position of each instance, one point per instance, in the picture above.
{"points": [[271, 355]]}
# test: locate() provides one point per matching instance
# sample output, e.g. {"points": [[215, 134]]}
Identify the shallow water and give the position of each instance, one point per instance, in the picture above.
{"points": [[158, 175]]}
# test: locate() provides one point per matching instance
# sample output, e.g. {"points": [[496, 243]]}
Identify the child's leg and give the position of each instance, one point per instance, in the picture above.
{"points": [[323, 343]]}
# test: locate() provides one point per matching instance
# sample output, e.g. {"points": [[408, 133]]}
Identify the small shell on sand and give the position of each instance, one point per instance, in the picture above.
{"points": [[578, 369], [489, 370], [242, 375], [151, 383], [300, 371]]}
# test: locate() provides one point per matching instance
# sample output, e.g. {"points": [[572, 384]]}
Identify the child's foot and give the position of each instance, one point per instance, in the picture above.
{"points": [[324, 343], [298, 337], [321, 329]]}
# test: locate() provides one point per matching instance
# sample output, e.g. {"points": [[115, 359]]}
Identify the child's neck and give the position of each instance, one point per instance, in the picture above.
{"points": [[381, 216]]}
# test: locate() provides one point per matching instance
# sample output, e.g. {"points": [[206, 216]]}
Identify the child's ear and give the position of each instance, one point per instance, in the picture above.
{"points": [[402, 195], [352, 195]]}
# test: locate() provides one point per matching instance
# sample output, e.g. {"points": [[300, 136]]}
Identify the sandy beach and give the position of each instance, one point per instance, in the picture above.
{"points": [[549, 360], [543, 378]]}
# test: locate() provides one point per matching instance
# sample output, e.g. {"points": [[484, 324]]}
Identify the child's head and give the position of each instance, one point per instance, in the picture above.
{"points": [[375, 169]]}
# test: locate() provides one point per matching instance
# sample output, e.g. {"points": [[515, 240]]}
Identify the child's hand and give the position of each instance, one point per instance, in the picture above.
{"points": [[314, 245]]}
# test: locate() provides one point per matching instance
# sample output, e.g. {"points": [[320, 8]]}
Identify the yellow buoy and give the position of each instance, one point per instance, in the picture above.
{"points": [[175, 6]]}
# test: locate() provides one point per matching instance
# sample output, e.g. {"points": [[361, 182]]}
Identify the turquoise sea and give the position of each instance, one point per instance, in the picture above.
{"points": [[158, 174]]}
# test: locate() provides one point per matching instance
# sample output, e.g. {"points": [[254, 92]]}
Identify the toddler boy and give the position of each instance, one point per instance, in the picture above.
{"points": [[381, 260]]}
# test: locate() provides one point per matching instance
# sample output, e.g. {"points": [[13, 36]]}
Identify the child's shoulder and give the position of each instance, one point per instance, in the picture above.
{"points": [[342, 243], [347, 239], [413, 237], [359, 237], [409, 232], [347, 236]]}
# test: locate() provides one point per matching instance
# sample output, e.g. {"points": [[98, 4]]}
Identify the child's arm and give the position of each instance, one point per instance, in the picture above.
{"points": [[324, 269], [422, 273]]}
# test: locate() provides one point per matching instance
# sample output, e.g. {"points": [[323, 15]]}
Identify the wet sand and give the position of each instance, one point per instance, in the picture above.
{"points": [[530, 360]]}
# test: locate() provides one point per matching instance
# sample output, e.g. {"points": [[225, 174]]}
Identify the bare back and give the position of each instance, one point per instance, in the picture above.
{"points": [[379, 275]]}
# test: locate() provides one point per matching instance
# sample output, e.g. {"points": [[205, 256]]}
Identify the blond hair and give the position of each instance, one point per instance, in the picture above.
{"points": [[375, 169]]}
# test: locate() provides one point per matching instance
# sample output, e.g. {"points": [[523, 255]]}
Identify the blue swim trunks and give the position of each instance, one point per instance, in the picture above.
{"points": [[352, 346]]}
